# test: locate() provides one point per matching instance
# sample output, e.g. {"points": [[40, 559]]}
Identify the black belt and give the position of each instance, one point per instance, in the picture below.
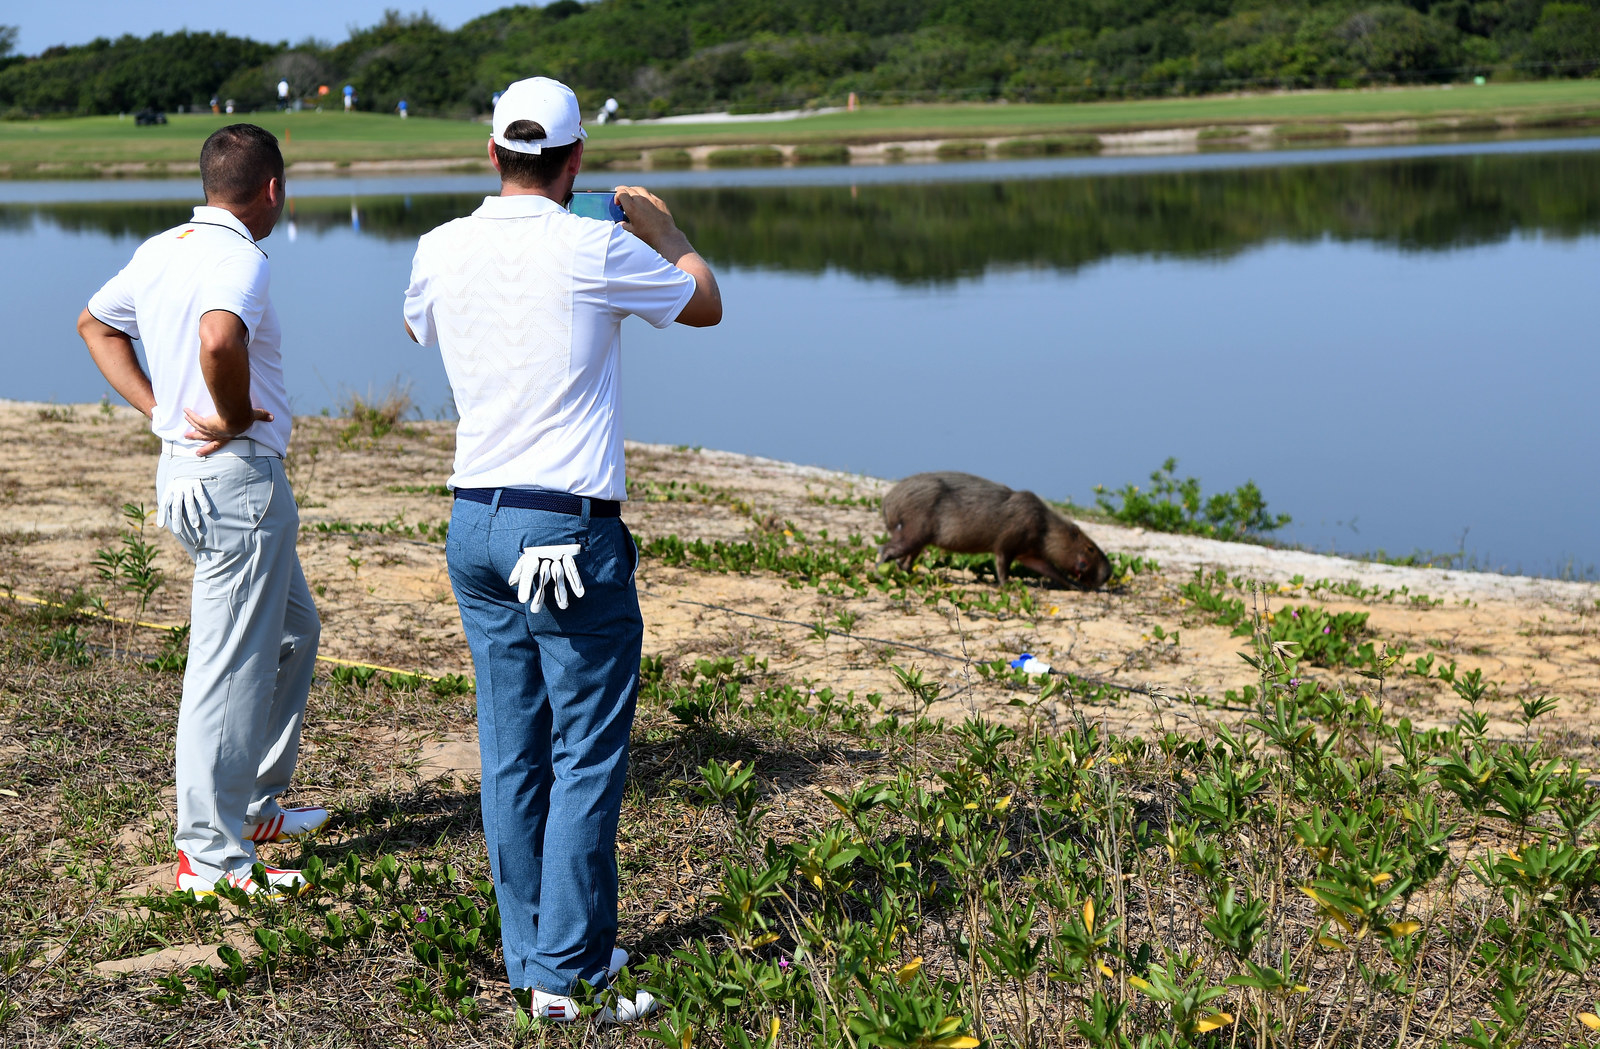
{"points": [[530, 499]]}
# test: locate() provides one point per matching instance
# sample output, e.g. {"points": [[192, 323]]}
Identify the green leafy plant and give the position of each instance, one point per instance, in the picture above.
{"points": [[1177, 505], [174, 654], [130, 566]]}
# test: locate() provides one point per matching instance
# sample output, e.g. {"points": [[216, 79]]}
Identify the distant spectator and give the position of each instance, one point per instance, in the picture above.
{"points": [[283, 94], [402, 108], [349, 97], [216, 107]]}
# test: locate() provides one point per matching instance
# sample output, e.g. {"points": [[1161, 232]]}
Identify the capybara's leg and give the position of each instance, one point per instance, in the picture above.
{"points": [[1002, 565]]}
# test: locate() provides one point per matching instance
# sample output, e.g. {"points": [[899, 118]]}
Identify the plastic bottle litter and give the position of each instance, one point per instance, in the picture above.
{"points": [[1028, 665]]}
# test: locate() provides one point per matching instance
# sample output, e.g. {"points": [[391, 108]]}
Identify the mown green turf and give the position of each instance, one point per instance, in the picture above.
{"points": [[305, 136], [312, 136], [942, 121]]}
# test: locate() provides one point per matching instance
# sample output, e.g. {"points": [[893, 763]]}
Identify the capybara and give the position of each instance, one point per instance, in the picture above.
{"points": [[969, 515]]}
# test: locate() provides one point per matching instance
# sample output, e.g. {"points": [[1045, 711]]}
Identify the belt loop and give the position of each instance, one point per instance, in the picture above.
{"points": [[494, 504], [252, 441], [584, 517]]}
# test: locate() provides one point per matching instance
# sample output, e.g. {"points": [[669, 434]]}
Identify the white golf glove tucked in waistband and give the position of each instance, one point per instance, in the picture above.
{"points": [[539, 565], [183, 508]]}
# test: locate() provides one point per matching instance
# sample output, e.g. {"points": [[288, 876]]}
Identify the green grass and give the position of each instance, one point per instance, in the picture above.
{"points": [[800, 863], [307, 136], [336, 137], [890, 123]]}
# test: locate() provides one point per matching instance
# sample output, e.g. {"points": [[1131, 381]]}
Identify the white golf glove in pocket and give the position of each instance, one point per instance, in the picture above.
{"points": [[541, 565], [183, 508]]}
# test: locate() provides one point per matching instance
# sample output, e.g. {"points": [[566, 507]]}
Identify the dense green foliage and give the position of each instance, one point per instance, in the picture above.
{"points": [[128, 74], [921, 233], [658, 56]]}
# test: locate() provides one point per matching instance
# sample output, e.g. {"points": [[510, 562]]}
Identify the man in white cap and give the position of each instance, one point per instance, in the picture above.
{"points": [[526, 300], [197, 296]]}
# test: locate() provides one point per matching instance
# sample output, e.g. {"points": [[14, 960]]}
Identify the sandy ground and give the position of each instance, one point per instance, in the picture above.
{"points": [[385, 597]]}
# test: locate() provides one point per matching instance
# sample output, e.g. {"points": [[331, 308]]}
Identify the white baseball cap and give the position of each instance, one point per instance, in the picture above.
{"points": [[548, 102]]}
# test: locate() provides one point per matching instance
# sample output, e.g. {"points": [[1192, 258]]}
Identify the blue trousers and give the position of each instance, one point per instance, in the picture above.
{"points": [[556, 697]]}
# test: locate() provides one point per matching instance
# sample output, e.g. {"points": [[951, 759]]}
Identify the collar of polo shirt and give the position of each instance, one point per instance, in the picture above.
{"points": [[549, 103], [215, 216], [516, 206]]}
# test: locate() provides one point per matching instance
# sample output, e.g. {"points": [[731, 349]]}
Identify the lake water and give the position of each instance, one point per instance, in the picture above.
{"points": [[1399, 345]]}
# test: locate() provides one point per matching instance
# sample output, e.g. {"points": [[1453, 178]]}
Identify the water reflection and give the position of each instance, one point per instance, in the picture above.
{"points": [[933, 233]]}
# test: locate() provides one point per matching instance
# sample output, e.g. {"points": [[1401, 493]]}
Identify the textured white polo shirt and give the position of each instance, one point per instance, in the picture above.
{"points": [[208, 263], [526, 302]]}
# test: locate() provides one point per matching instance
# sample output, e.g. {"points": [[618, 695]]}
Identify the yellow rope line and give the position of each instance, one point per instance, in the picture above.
{"points": [[97, 614]]}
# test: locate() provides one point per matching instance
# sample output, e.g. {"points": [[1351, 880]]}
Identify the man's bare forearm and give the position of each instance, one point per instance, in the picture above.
{"points": [[651, 221], [113, 353], [705, 308], [225, 365]]}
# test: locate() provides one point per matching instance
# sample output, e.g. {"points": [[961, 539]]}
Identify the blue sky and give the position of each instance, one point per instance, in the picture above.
{"points": [[44, 25]]}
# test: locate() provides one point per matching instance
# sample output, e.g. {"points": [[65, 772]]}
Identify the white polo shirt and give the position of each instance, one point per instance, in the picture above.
{"points": [[526, 302], [208, 263]]}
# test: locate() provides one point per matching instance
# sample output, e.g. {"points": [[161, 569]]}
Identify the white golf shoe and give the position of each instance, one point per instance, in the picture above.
{"points": [[280, 882], [564, 1009], [289, 823]]}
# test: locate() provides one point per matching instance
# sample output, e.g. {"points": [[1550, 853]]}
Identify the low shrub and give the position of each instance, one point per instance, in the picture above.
{"points": [[744, 156], [1174, 505], [599, 158], [669, 158], [1310, 132], [822, 153], [1049, 146]]}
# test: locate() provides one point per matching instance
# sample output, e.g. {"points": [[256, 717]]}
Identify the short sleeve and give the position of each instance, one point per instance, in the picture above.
{"points": [[639, 281], [238, 285], [419, 301], [114, 304]]}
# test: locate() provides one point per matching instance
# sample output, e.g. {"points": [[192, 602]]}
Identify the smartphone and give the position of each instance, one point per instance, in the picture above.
{"points": [[597, 204]]}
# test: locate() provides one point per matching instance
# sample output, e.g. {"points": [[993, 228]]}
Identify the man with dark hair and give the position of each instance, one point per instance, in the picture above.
{"points": [[233, 160], [525, 300], [196, 296]]}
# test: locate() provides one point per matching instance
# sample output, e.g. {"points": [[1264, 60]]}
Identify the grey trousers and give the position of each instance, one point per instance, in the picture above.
{"points": [[252, 648]]}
